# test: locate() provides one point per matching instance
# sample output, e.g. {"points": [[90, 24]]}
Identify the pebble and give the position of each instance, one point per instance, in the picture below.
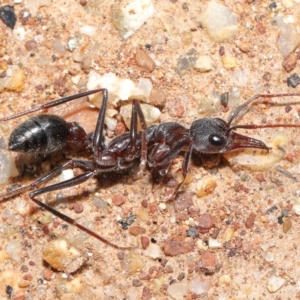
{"points": [[198, 285], [204, 63], [13, 249], [206, 186], [145, 242], [66, 175], [275, 283], [175, 246], [250, 220], [290, 62], [128, 16], [60, 255], [144, 60], [229, 62], [177, 290], [8, 16], [225, 280], [289, 38], [212, 243], [287, 225], [31, 45], [118, 200], [186, 62], [293, 80], [183, 201], [158, 98], [153, 251], [220, 22], [245, 47], [137, 230], [296, 207], [7, 167], [132, 263], [14, 80], [205, 223], [78, 208]]}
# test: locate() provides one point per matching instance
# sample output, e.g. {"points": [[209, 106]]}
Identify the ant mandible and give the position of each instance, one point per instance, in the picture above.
{"points": [[156, 145]]}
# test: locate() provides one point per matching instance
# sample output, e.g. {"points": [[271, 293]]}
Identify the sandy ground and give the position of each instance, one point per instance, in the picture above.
{"points": [[245, 230]]}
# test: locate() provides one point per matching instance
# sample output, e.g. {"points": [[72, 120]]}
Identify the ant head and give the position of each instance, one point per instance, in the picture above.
{"points": [[215, 136]]}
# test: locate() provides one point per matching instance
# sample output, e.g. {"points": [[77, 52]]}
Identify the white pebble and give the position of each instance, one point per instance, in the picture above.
{"points": [[212, 243], [204, 63], [7, 167], [14, 250], [177, 291], [129, 15], [66, 175], [88, 30], [153, 251], [199, 285], [220, 22], [275, 283]]}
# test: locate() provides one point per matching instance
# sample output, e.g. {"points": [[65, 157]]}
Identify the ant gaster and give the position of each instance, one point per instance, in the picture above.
{"points": [[156, 145]]}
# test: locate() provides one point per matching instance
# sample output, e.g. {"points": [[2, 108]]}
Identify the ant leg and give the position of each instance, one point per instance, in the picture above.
{"points": [[87, 165], [66, 184], [143, 161], [54, 103]]}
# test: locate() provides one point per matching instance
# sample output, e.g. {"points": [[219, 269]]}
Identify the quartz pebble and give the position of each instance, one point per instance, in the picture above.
{"points": [[128, 16], [198, 285], [153, 251], [206, 186], [14, 80], [8, 16], [118, 88], [204, 63], [275, 283], [177, 291], [186, 62], [7, 167], [219, 21], [60, 255], [289, 38]]}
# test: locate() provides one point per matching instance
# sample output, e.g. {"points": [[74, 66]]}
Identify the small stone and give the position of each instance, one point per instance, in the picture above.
{"points": [[208, 262], [229, 62], [137, 230], [158, 98], [219, 21], [212, 243], [183, 201], [198, 285], [31, 45], [245, 47], [118, 200], [136, 282], [24, 283], [205, 223], [225, 280], [204, 63], [228, 235], [206, 186], [290, 62], [14, 80], [28, 277], [145, 242], [62, 256], [293, 80], [177, 291], [144, 61], [132, 263], [186, 62], [78, 208], [287, 225], [250, 220], [8, 16], [129, 15], [275, 283], [175, 246], [48, 274], [153, 251]]}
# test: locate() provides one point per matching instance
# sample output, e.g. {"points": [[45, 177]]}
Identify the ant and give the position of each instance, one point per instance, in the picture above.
{"points": [[156, 145]]}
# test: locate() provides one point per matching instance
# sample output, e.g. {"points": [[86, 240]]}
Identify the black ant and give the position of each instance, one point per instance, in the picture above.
{"points": [[156, 145]]}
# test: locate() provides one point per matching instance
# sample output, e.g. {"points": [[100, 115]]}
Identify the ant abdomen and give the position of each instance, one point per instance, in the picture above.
{"points": [[42, 133]]}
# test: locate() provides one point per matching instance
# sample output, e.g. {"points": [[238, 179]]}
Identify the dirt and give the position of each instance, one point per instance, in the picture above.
{"points": [[229, 241]]}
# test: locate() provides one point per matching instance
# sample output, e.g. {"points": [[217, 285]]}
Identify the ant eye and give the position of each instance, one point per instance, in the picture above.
{"points": [[217, 140]]}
